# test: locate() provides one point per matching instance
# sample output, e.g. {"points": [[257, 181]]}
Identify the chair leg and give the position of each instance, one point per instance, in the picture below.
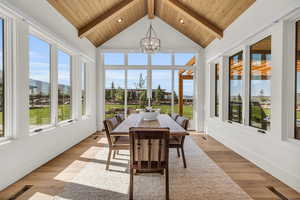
{"points": [[108, 159], [114, 155], [178, 152], [167, 184], [183, 157], [131, 184]]}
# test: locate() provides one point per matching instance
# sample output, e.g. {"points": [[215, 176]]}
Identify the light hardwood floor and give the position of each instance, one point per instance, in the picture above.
{"points": [[49, 180]]}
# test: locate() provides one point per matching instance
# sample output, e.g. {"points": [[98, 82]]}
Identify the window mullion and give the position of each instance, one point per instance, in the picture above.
{"points": [[54, 86], [125, 89], [246, 84]]}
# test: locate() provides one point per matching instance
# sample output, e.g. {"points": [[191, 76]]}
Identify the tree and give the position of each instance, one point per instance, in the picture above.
{"points": [[141, 82], [113, 92], [143, 98], [120, 95], [158, 94]]}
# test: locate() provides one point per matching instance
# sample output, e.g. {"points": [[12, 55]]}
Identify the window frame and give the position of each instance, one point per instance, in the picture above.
{"points": [[249, 83], [217, 73], [72, 103], [52, 120], [8, 68], [149, 67], [229, 86], [85, 64]]}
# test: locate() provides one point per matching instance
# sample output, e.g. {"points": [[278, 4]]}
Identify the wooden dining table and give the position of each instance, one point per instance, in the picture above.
{"points": [[136, 120]]}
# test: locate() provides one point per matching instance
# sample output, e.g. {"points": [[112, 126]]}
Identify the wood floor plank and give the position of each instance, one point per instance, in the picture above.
{"points": [[49, 179]]}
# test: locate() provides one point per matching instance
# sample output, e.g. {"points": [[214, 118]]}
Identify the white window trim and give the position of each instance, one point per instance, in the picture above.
{"points": [[149, 67]]}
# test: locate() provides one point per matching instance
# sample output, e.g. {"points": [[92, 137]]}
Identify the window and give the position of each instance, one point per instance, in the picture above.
{"points": [[64, 86], [83, 88], [183, 93], [162, 90], [297, 78], [2, 125], [137, 90], [114, 92], [183, 58], [114, 59], [161, 59], [39, 83], [235, 87], [260, 84], [217, 89], [137, 59]]}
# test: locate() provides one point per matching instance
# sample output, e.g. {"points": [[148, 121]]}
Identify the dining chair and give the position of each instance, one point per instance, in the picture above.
{"points": [[174, 116], [120, 117], [149, 153], [115, 143], [178, 141]]}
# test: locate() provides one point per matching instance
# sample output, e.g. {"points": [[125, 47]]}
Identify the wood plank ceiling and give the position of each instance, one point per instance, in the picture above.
{"points": [[200, 20]]}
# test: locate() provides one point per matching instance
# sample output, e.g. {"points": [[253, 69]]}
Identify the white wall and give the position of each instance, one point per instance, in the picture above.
{"points": [[26, 151], [271, 151], [172, 41]]}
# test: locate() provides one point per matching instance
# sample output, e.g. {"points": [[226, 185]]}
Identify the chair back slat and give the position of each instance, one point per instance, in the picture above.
{"points": [[149, 147]]}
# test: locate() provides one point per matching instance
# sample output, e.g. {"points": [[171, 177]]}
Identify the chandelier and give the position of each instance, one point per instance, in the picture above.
{"points": [[150, 43]]}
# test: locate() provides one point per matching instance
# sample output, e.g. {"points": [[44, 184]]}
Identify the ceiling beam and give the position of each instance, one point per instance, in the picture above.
{"points": [[197, 18], [110, 14], [150, 8]]}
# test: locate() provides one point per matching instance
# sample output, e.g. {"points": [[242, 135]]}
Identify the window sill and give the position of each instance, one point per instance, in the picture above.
{"points": [[85, 117], [293, 141], [66, 123], [5, 140], [248, 128], [46, 129]]}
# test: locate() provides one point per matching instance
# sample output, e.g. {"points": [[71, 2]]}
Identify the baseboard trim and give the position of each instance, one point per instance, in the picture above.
{"points": [[289, 179]]}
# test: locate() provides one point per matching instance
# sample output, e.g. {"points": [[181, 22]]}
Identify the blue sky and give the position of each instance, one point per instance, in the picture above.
{"points": [[39, 62]]}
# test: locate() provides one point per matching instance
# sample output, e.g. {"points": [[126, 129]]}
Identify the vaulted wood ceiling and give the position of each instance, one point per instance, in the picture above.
{"points": [[200, 20]]}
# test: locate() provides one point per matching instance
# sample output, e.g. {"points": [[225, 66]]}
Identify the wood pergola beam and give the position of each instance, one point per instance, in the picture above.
{"points": [[197, 18], [111, 13], [150, 9]]}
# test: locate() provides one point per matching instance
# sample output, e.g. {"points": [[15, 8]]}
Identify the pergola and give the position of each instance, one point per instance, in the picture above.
{"points": [[184, 75]]}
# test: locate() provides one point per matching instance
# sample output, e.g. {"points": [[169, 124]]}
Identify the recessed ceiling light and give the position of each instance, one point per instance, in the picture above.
{"points": [[181, 21], [120, 20]]}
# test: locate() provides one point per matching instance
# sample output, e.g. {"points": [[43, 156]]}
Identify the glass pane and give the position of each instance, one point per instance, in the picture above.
{"points": [[260, 84], [162, 90], [217, 89], [297, 69], [235, 87], [137, 90], [114, 59], [2, 78], [186, 95], [137, 59], [183, 58], [114, 92], [161, 59], [83, 89], [39, 83], [64, 86]]}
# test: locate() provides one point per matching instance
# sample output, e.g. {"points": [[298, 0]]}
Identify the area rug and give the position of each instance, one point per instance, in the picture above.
{"points": [[202, 179]]}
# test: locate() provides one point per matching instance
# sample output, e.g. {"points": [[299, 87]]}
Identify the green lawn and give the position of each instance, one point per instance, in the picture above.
{"points": [[40, 116], [166, 109]]}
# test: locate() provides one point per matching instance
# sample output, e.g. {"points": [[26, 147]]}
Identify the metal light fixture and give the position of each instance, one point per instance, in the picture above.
{"points": [[150, 43]]}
